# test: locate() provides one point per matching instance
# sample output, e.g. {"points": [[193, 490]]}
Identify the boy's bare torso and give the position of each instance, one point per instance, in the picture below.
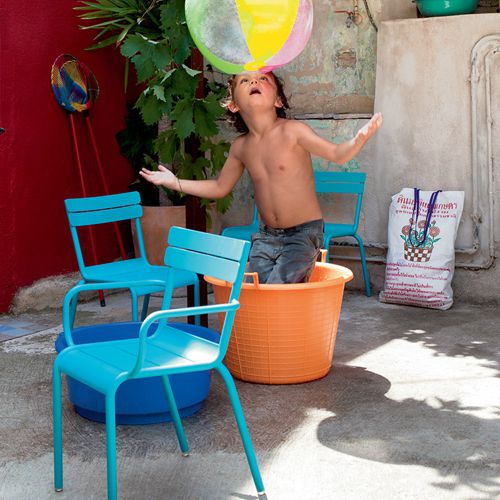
{"points": [[282, 176]]}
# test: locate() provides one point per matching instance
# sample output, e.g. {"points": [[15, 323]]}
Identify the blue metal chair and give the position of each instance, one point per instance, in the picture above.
{"points": [[167, 351], [344, 183], [109, 209], [244, 232]]}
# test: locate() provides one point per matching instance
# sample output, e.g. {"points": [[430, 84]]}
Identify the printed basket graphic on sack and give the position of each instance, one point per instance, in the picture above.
{"points": [[419, 243], [418, 254]]}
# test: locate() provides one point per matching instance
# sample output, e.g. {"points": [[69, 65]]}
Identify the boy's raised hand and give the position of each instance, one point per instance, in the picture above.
{"points": [[161, 177], [370, 128]]}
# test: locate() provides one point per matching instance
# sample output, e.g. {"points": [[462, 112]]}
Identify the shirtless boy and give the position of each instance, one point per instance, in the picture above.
{"points": [[277, 155]]}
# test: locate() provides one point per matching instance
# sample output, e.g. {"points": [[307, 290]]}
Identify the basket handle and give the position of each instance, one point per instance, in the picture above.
{"points": [[255, 278]]}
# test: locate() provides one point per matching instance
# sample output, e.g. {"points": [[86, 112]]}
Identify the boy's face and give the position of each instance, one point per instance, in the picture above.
{"points": [[254, 90]]}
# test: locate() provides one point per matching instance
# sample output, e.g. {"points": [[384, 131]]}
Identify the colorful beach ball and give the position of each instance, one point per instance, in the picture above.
{"points": [[249, 35]]}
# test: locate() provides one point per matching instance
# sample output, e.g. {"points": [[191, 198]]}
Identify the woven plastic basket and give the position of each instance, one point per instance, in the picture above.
{"points": [[285, 334]]}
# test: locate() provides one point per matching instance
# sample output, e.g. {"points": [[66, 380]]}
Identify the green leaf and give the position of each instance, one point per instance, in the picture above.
{"points": [[167, 75], [182, 47], [193, 169], [205, 124], [132, 45], [199, 167], [167, 146], [103, 43], [159, 92], [212, 103], [161, 56], [190, 71], [183, 116], [144, 67], [183, 84], [150, 108]]}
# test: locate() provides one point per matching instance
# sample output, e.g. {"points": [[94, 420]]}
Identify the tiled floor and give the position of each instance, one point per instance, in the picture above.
{"points": [[117, 309], [11, 329]]}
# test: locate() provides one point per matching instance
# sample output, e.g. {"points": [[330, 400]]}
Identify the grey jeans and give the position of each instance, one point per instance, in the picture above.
{"points": [[286, 255]]}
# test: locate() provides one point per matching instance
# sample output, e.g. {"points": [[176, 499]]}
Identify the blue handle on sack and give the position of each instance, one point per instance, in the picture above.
{"points": [[414, 216]]}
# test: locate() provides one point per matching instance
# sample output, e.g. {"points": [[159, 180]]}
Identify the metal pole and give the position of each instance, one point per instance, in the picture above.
{"points": [[84, 193]]}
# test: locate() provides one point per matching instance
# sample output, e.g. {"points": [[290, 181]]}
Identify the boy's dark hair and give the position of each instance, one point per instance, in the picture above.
{"points": [[236, 119]]}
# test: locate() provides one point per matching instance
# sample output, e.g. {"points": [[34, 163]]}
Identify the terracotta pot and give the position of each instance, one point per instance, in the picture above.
{"points": [[156, 223]]}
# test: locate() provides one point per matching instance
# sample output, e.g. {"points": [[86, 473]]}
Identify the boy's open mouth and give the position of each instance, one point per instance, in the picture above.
{"points": [[255, 91]]}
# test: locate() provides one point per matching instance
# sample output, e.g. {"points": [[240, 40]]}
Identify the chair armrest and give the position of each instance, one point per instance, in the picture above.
{"points": [[175, 313], [77, 289], [187, 311]]}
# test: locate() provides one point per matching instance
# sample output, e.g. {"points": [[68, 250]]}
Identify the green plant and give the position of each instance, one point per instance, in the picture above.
{"points": [[153, 36]]}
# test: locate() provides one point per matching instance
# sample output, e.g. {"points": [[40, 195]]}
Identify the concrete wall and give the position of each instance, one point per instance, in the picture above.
{"points": [[435, 136]]}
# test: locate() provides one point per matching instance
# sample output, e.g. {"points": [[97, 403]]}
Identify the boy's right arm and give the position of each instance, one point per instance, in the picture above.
{"points": [[211, 188]]}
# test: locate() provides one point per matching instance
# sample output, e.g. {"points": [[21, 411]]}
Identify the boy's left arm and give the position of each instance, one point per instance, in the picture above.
{"points": [[336, 153]]}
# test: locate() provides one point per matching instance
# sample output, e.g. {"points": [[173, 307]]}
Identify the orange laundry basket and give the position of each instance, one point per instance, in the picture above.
{"points": [[285, 334]]}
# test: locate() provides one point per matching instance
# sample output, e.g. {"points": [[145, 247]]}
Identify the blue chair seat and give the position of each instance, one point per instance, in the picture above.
{"points": [[338, 230], [179, 352], [133, 270]]}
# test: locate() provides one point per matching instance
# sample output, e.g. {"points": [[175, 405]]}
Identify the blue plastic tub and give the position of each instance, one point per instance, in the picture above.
{"points": [[140, 401]]}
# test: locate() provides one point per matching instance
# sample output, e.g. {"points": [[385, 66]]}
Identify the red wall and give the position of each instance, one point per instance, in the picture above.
{"points": [[37, 160]]}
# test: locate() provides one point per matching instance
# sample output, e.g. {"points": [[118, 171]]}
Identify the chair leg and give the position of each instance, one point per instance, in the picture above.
{"points": [[57, 423], [134, 299], [197, 301], [72, 310], [242, 426], [176, 418], [366, 276], [145, 306], [111, 445]]}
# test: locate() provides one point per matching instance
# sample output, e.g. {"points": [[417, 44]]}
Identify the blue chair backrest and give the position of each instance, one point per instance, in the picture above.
{"points": [[342, 183], [255, 218], [100, 210], [204, 253], [211, 255]]}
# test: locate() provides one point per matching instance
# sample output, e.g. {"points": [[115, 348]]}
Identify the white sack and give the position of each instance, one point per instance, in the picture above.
{"points": [[418, 271]]}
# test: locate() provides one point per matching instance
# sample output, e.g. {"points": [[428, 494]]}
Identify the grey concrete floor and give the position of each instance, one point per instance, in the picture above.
{"points": [[410, 410]]}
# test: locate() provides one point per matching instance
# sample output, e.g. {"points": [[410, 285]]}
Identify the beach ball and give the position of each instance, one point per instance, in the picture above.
{"points": [[249, 35]]}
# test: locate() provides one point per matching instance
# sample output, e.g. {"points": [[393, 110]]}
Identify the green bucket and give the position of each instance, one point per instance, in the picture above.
{"points": [[446, 7]]}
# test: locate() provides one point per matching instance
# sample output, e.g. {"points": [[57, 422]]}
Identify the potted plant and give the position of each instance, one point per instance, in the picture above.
{"points": [[152, 35]]}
